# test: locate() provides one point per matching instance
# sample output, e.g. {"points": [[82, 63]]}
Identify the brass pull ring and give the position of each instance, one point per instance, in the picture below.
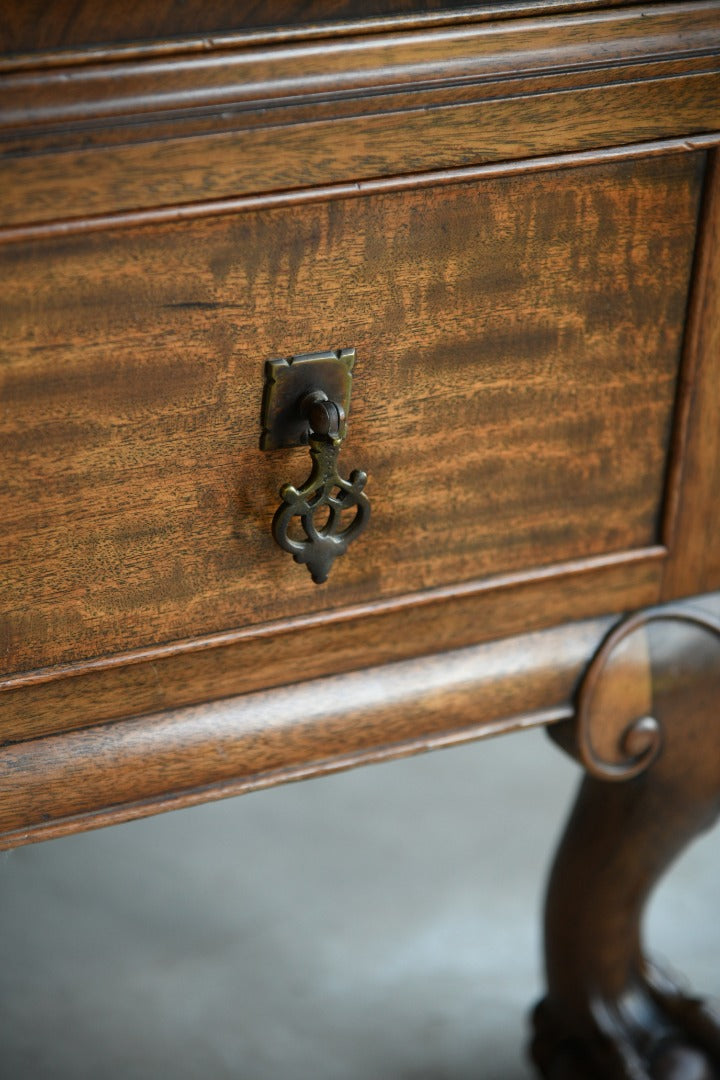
{"points": [[298, 410], [324, 488]]}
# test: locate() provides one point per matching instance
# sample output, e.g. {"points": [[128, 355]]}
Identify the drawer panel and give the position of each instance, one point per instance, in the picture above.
{"points": [[518, 344]]}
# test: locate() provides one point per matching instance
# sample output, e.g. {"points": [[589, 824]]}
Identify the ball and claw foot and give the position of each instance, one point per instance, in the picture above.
{"points": [[681, 1041]]}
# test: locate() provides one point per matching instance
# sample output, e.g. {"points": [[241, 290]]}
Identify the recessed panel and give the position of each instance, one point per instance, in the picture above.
{"points": [[517, 345]]}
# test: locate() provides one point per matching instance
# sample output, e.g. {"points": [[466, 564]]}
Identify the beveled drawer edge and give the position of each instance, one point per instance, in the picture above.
{"points": [[179, 758], [358, 66], [191, 211], [222, 40], [692, 510], [56, 183], [326, 644], [161, 761], [204, 642]]}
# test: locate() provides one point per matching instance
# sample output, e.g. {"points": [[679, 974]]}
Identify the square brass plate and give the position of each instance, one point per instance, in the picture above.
{"points": [[286, 384]]}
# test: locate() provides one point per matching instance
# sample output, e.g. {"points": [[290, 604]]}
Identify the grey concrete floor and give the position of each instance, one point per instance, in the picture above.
{"points": [[376, 925]]}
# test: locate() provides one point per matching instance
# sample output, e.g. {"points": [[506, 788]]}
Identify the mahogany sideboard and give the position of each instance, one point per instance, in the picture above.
{"points": [[459, 262]]}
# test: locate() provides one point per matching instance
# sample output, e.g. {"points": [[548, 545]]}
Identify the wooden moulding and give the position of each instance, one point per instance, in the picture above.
{"points": [[34, 704], [177, 758], [233, 123], [174, 214], [133, 768], [146, 30], [692, 525], [139, 504], [361, 66]]}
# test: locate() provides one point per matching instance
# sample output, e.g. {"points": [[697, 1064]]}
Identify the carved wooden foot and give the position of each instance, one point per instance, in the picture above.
{"points": [[649, 717]]}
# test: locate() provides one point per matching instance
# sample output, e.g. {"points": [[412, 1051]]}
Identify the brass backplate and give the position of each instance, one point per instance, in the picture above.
{"points": [[288, 381]]}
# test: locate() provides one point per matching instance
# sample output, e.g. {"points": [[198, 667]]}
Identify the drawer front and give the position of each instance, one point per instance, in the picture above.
{"points": [[518, 344]]}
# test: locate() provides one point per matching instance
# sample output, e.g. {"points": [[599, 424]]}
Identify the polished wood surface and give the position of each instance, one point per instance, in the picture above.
{"points": [[693, 507], [114, 772], [494, 407], [140, 580], [65, 24], [520, 325], [132, 768], [511, 211], [96, 139], [608, 1013], [171, 674]]}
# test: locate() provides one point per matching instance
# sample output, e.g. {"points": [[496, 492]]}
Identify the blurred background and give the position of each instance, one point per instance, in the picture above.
{"points": [[381, 924]]}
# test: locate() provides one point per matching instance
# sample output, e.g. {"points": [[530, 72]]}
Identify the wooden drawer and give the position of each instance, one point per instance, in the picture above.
{"points": [[511, 213], [512, 222], [518, 343]]}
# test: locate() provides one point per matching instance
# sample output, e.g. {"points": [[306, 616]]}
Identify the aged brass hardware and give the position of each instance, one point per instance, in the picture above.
{"points": [[306, 401], [288, 382]]}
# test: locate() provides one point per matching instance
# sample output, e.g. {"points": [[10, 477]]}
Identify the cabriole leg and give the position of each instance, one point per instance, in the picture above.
{"points": [[608, 1014]]}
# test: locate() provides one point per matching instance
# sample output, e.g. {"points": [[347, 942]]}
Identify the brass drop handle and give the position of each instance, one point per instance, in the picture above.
{"points": [[325, 497], [324, 488]]}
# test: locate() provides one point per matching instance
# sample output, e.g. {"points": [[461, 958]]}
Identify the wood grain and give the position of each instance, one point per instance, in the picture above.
{"points": [[517, 343], [62, 698], [115, 772], [273, 76], [110, 137], [77, 183], [621, 838], [31, 25], [170, 215], [693, 524], [137, 767]]}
